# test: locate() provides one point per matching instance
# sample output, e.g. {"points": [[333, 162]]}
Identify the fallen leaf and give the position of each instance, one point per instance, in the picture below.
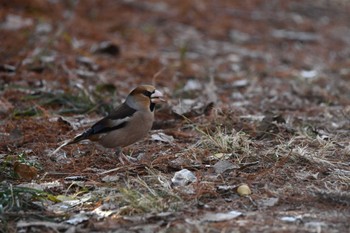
{"points": [[25, 171], [291, 218], [162, 137], [268, 202], [78, 218], [218, 217]]}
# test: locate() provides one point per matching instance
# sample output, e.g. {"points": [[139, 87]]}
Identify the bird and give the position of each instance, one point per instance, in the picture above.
{"points": [[128, 123]]}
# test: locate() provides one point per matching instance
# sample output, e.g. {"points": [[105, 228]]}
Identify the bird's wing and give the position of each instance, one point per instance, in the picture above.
{"points": [[115, 120]]}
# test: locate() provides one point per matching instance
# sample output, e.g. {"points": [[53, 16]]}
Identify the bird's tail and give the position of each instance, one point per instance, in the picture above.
{"points": [[76, 139], [60, 147]]}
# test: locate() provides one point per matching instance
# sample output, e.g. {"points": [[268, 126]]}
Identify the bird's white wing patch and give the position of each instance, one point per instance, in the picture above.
{"points": [[116, 122]]}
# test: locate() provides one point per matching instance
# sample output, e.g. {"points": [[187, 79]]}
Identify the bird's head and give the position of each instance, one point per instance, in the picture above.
{"points": [[144, 97]]}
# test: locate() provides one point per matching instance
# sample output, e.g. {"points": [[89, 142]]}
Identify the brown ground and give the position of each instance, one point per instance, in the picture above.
{"points": [[276, 72]]}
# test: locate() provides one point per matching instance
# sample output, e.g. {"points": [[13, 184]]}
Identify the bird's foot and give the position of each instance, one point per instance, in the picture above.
{"points": [[126, 159]]}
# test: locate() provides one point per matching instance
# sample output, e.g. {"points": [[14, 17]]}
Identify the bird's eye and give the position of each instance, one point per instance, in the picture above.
{"points": [[147, 93]]}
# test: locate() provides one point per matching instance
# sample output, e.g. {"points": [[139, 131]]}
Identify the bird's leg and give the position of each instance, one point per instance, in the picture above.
{"points": [[123, 158], [119, 154]]}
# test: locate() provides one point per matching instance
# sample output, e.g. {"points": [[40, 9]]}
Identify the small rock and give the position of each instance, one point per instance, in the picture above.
{"points": [[222, 166], [183, 178], [244, 190]]}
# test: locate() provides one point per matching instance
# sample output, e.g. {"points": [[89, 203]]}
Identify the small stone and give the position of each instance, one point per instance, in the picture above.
{"points": [[222, 166], [183, 178], [244, 190]]}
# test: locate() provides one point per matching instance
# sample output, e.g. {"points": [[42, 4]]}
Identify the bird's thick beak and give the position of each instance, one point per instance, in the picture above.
{"points": [[157, 97]]}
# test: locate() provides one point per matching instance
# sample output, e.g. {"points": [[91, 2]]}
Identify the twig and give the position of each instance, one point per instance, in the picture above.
{"points": [[56, 226]]}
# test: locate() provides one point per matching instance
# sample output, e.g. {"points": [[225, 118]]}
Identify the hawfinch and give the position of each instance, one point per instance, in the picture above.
{"points": [[127, 124]]}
